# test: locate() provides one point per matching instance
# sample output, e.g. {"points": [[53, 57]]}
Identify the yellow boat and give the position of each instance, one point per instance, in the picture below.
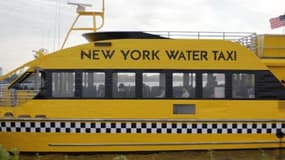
{"points": [[137, 91]]}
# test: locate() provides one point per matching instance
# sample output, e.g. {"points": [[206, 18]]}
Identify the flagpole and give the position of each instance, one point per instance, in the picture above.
{"points": [[284, 26]]}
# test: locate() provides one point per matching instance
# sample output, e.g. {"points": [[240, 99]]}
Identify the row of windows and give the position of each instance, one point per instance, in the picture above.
{"points": [[153, 85]]}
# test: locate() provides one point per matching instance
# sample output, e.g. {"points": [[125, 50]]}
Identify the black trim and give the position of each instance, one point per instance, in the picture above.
{"points": [[139, 84], [169, 83], [267, 87], [273, 57], [228, 86], [48, 84], [103, 44], [98, 36], [78, 84], [108, 84], [20, 80], [199, 85]]}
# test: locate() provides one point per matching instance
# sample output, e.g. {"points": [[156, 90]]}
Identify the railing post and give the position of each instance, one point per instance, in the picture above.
{"points": [[13, 96], [198, 35]]}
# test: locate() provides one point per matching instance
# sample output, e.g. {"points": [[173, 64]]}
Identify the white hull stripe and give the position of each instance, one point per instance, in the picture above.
{"points": [[143, 127]]}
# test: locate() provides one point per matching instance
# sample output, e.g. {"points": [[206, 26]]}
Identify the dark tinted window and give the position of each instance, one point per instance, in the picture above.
{"points": [[213, 85], [93, 84], [243, 85], [124, 85], [184, 85], [153, 85]]}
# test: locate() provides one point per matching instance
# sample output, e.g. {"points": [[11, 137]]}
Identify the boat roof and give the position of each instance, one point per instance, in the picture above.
{"points": [[98, 36]]}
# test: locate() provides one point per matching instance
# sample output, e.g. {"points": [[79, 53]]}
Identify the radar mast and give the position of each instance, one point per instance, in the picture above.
{"points": [[81, 11]]}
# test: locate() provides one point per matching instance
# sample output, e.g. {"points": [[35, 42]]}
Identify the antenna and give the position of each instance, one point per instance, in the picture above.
{"points": [[80, 6]]}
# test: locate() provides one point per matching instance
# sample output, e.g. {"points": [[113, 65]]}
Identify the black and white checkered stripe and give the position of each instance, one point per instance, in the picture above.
{"points": [[143, 127]]}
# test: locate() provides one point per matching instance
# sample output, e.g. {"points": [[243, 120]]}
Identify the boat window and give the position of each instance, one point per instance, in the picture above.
{"points": [[124, 85], [30, 81], [184, 109], [184, 85], [93, 84], [213, 85], [153, 85], [243, 85], [15, 75], [63, 84]]}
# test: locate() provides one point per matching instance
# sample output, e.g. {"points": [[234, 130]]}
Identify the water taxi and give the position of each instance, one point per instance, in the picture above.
{"points": [[139, 91]]}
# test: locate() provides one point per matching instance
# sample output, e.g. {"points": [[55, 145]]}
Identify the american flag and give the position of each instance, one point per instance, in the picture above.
{"points": [[277, 22]]}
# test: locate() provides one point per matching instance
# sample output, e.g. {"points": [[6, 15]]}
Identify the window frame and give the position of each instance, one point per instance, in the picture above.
{"points": [[139, 83]]}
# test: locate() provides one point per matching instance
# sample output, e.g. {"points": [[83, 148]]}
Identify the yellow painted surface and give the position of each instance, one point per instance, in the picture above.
{"points": [[271, 45], [142, 110], [205, 109], [277, 67], [110, 142], [71, 59]]}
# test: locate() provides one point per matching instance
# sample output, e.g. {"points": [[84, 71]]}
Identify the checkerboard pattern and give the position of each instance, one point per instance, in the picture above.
{"points": [[88, 127]]}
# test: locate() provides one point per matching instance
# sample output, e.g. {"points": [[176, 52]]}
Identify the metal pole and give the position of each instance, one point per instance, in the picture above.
{"points": [[71, 28], [283, 30]]}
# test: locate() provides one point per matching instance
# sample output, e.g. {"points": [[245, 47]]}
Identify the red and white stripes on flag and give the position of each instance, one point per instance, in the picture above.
{"points": [[277, 22]]}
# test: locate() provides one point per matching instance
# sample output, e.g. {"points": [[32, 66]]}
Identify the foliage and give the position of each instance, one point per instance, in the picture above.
{"points": [[120, 157], [13, 154], [263, 154], [211, 154]]}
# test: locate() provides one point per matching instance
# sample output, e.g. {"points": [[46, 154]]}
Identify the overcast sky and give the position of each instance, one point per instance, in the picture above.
{"points": [[28, 25]]}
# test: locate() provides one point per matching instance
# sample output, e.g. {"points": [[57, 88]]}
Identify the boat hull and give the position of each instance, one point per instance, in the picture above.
{"points": [[99, 135]]}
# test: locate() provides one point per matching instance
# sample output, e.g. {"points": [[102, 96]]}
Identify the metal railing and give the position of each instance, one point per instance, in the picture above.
{"points": [[14, 97], [247, 39]]}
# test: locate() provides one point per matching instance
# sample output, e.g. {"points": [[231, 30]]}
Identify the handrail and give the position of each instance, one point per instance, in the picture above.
{"points": [[16, 72], [169, 34], [14, 97], [247, 39]]}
